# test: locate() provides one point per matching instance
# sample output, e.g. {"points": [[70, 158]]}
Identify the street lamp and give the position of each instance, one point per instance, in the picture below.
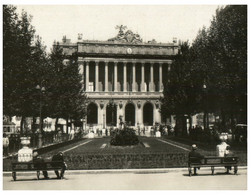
{"points": [[206, 120], [113, 107], [41, 91]]}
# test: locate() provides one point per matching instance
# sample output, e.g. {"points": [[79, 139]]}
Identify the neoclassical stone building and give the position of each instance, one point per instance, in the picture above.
{"points": [[122, 77]]}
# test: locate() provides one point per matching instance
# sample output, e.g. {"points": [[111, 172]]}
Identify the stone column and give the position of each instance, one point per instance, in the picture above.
{"points": [[87, 75], [134, 77], [106, 76], [115, 76], [142, 78], [151, 88], [160, 78], [96, 76], [124, 77], [157, 114]]}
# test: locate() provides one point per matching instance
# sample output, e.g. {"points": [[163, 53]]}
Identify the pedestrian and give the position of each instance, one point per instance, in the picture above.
{"points": [[196, 157], [166, 130], [72, 134], [58, 160], [6, 143], [39, 164]]}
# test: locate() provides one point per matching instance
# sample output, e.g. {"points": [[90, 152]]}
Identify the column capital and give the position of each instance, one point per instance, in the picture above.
{"points": [[97, 61], [87, 61], [80, 59], [106, 62]]}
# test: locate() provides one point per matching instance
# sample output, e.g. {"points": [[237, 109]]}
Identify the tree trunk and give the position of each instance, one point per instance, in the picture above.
{"points": [[42, 124], [56, 123], [223, 121], [33, 141], [207, 119], [67, 125], [190, 120], [21, 125], [33, 125]]}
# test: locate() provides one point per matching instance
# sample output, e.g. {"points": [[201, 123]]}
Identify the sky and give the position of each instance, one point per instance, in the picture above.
{"points": [[98, 22]]}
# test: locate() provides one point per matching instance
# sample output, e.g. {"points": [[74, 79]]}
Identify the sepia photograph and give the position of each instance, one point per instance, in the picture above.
{"points": [[124, 96]]}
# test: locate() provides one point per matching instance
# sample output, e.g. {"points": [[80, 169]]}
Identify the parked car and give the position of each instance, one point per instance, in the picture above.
{"points": [[240, 133]]}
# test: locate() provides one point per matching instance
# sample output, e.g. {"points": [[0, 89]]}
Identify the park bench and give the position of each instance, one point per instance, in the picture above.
{"points": [[30, 167], [213, 161]]}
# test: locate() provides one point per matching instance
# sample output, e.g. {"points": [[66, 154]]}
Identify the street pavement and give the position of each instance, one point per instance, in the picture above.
{"points": [[131, 179]]}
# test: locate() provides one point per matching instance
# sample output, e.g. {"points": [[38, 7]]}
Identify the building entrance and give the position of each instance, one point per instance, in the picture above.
{"points": [[92, 114], [148, 114], [130, 114], [111, 114]]}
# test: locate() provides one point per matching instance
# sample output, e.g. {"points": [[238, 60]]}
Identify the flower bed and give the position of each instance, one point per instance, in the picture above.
{"points": [[125, 137]]}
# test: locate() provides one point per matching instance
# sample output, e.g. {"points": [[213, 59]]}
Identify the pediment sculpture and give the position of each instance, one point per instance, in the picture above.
{"points": [[126, 37]]}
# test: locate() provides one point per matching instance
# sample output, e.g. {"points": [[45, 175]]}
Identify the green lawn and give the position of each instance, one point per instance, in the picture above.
{"points": [[150, 153]]}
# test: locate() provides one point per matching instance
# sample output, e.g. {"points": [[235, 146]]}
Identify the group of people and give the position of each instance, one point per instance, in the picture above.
{"points": [[38, 161], [222, 150]]}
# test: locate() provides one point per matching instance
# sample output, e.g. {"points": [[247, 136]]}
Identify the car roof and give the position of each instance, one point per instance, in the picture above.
{"points": [[241, 125]]}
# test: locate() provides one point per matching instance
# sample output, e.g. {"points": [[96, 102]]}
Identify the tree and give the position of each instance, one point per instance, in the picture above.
{"points": [[211, 75], [18, 35], [67, 97], [180, 91]]}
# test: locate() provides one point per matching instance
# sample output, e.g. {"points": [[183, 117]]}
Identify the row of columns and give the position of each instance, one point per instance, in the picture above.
{"points": [[138, 113], [125, 76]]}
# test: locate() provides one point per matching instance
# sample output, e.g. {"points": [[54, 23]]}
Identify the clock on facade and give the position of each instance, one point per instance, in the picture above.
{"points": [[129, 51]]}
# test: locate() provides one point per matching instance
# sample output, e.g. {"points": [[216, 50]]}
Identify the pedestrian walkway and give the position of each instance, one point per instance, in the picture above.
{"points": [[143, 179]]}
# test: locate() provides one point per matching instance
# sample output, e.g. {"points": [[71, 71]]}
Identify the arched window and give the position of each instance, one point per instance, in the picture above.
{"points": [[92, 114], [130, 114], [148, 114]]}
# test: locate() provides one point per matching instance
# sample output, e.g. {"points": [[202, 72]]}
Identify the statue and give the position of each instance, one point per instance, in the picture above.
{"points": [[121, 29], [79, 36], [126, 37], [121, 122]]}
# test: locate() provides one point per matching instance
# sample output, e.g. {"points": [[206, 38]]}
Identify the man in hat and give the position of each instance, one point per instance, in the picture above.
{"points": [[39, 164], [197, 157], [58, 160]]}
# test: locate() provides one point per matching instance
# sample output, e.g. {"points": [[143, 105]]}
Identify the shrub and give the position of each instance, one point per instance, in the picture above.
{"points": [[125, 137]]}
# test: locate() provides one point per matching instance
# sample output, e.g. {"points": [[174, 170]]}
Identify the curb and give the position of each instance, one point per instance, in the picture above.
{"points": [[121, 171]]}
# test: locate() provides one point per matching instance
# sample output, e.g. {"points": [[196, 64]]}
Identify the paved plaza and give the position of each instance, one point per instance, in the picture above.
{"points": [[129, 179], [149, 179]]}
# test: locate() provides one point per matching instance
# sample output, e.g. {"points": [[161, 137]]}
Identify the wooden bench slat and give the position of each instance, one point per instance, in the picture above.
{"points": [[211, 161]]}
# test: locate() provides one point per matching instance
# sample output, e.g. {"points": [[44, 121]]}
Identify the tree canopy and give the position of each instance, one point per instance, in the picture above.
{"points": [[211, 74], [26, 65]]}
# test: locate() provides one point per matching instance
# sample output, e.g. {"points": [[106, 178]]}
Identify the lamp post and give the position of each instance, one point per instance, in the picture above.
{"points": [[41, 91], [206, 121], [113, 107]]}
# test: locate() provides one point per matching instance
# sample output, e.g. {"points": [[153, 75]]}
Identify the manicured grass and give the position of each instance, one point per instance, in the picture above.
{"points": [[98, 154]]}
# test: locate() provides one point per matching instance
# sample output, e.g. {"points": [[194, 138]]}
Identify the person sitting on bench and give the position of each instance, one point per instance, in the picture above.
{"points": [[223, 150], [60, 160], [196, 157], [39, 164]]}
